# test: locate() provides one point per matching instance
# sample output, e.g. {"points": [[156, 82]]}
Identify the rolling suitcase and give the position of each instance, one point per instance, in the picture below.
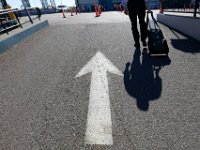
{"points": [[157, 44]]}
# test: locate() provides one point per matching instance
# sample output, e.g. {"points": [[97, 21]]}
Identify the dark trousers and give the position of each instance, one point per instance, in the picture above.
{"points": [[143, 26]]}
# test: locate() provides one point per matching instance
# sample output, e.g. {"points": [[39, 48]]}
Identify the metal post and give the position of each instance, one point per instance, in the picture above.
{"points": [[17, 17], [161, 9], [195, 8], [78, 7], [29, 16], [4, 27], [4, 3], [39, 12]]}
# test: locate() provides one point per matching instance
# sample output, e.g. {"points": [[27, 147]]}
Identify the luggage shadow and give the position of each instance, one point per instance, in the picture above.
{"points": [[141, 78]]}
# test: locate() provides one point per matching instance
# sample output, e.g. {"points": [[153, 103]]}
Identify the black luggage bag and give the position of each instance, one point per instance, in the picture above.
{"points": [[157, 44]]}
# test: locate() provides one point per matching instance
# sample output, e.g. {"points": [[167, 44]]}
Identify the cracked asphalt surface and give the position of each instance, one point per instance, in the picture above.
{"points": [[155, 106]]}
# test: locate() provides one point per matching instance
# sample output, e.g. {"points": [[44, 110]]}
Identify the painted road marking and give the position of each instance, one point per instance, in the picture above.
{"points": [[99, 125]]}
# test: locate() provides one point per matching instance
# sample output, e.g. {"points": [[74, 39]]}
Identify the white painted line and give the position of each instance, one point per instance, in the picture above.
{"points": [[99, 124]]}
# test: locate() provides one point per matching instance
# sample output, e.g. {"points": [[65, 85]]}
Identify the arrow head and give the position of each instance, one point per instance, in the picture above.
{"points": [[99, 63]]}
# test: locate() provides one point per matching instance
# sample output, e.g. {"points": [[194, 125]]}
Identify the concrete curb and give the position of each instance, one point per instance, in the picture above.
{"points": [[188, 26], [17, 37]]}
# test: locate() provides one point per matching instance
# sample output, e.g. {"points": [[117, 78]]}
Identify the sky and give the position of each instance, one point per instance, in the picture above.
{"points": [[37, 3]]}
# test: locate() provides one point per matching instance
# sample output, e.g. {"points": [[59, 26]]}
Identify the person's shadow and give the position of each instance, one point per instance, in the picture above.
{"points": [[141, 78]]}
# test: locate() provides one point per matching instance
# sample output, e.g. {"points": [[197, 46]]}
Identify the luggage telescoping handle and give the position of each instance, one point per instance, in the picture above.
{"points": [[154, 20]]}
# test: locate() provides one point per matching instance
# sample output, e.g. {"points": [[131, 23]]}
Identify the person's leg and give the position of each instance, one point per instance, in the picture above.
{"points": [[133, 18], [143, 27]]}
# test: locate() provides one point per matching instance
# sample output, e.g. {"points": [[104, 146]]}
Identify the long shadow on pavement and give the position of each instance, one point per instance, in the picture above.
{"points": [[186, 45], [141, 78]]}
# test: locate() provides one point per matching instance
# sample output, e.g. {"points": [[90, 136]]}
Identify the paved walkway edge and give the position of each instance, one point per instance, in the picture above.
{"points": [[17, 37], [188, 26]]}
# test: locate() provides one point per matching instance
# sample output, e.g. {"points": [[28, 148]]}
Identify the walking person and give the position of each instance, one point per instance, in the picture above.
{"points": [[136, 9]]}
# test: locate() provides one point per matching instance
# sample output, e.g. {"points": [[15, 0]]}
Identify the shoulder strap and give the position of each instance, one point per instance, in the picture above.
{"points": [[154, 20]]}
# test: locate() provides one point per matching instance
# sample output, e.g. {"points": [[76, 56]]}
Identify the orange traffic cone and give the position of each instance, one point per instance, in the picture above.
{"points": [[97, 13], [99, 9]]}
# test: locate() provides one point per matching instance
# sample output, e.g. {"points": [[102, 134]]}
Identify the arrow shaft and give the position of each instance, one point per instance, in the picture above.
{"points": [[99, 125]]}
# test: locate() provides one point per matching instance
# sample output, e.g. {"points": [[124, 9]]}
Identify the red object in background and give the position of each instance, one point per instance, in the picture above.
{"points": [[99, 9], [63, 13], [161, 9], [120, 7], [71, 12], [96, 11], [115, 7]]}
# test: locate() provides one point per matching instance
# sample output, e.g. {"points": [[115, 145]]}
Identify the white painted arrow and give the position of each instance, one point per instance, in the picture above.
{"points": [[99, 125]]}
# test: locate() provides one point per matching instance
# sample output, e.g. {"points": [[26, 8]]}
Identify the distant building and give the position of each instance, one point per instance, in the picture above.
{"points": [[44, 4], [26, 3], [3, 3], [152, 4], [53, 4], [89, 5], [155, 4], [177, 3]]}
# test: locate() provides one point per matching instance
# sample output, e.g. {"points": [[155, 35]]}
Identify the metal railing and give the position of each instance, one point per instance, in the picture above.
{"points": [[14, 18]]}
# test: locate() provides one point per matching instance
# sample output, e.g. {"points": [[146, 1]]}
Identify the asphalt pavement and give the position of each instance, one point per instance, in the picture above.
{"points": [[154, 101]]}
